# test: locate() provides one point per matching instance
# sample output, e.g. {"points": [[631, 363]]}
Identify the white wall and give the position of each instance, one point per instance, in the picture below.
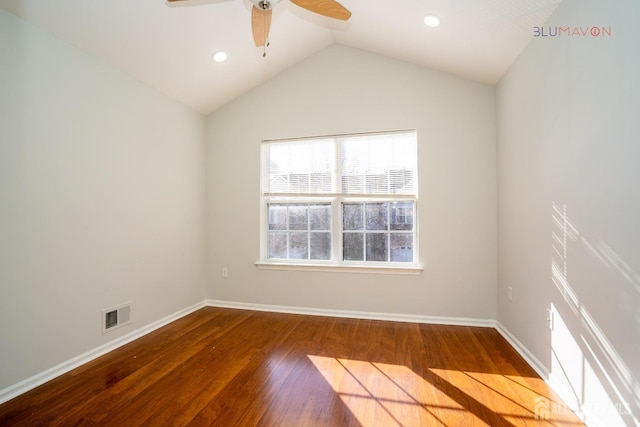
{"points": [[343, 90], [101, 201], [569, 206]]}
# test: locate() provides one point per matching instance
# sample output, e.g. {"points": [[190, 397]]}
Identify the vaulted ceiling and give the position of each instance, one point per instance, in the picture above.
{"points": [[169, 46]]}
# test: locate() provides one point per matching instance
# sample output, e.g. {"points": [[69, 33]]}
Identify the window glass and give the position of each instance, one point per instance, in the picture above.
{"points": [[299, 231], [388, 236]]}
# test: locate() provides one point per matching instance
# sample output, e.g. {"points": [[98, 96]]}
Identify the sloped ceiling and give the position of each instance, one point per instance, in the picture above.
{"points": [[169, 45]]}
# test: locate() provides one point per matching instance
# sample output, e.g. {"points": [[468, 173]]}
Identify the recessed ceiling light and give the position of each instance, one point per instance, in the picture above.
{"points": [[431, 21], [219, 56]]}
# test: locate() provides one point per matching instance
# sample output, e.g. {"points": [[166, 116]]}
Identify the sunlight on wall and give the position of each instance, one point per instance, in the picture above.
{"points": [[576, 369], [584, 361], [565, 348]]}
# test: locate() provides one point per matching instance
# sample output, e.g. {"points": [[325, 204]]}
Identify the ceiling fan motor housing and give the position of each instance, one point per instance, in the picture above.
{"points": [[265, 4]]}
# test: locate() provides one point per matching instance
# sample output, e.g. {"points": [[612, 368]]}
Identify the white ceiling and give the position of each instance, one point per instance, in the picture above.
{"points": [[169, 46]]}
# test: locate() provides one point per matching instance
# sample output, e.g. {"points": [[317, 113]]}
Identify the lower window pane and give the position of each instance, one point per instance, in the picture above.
{"points": [[371, 231], [277, 245], [320, 245], [298, 246], [377, 247], [277, 217], [402, 247], [353, 246]]}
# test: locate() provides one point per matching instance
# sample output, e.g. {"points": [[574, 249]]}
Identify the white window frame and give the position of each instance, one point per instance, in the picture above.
{"points": [[336, 263]]}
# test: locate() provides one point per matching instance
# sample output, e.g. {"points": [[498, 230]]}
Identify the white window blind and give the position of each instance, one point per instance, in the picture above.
{"points": [[299, 167], [368, 164], [382, 164]]}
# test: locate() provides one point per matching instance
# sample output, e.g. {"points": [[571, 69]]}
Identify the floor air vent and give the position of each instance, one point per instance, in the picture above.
{"points": [[116, 317]]}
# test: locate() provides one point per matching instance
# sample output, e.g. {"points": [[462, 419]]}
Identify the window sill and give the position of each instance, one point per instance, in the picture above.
{"points": [[394, 269]]}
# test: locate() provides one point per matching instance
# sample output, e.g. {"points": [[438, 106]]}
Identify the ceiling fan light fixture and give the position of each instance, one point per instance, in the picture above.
{"points": [[432, 21]]}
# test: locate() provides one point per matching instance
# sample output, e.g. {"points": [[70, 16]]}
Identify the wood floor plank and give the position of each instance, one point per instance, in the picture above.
{"points": [[226, 367], [146, 373], [299, 395]]}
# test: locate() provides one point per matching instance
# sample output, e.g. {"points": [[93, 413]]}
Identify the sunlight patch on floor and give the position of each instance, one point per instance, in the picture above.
{"points": [[515, 399], [393, 395], [390, 395]]}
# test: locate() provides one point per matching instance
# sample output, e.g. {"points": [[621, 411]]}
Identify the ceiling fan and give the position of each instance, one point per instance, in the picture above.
{"points": [[261, 14]]}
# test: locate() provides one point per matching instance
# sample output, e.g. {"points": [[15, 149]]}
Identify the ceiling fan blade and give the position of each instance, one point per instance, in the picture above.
{"points": [[260, 24], [330, 8]]}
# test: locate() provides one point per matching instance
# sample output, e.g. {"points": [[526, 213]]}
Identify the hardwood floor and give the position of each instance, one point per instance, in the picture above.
{"points": [[224, 367]]}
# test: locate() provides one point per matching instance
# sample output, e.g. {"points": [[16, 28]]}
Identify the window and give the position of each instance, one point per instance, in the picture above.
{"points": [[348, 200]]}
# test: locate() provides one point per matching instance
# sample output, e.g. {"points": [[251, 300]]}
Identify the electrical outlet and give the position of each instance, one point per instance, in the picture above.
{"points": [[509, 293], [225, 272]]}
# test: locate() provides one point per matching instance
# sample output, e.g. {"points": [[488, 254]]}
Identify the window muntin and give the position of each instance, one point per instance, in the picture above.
{"points": [[346, 200]]}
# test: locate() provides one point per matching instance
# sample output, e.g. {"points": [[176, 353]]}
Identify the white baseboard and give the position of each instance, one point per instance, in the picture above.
{"points": [[523, 351], [555, 385], [394, 317], [41, 378]]}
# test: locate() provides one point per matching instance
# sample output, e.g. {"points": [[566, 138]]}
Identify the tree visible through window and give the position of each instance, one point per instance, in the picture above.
{"points": [[345, 200]]}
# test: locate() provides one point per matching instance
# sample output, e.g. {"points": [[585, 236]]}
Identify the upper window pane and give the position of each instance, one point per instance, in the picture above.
{"points": [[299, 167], [378, 164]]}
